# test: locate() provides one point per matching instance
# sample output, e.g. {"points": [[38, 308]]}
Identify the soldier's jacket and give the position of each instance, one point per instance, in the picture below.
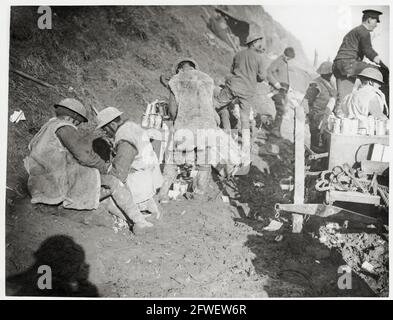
{"points": [[318, 94], [355, 46], [193, 93]]}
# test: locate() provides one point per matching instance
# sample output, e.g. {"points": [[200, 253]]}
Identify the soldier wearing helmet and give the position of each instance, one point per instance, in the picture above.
{"points": [[247, 69], [319, 102], [64, 169], [367, 99], [135, 162]]}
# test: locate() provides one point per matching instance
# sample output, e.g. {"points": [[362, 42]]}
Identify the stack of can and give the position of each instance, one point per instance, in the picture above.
{"points": [[377, 127]]}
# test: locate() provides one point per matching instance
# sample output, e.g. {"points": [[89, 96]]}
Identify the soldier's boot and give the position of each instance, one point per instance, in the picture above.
{"points": [[123, 199]]}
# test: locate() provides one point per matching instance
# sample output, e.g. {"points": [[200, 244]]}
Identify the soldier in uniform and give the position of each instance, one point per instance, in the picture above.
{"points": [[320, 100], [349, 60]]}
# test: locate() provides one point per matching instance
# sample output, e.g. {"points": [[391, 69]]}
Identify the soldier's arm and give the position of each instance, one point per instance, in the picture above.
{"points": [[172, 106], [271, 74], [81, 148], [261, 73], [121, 164], [310, 96], [367, 48]]}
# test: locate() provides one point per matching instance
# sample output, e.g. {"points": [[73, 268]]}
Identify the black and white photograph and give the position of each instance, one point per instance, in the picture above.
{"points": [[199, 151]]}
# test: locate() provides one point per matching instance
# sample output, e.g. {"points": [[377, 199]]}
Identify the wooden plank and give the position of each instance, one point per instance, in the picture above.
{"points": [[297, 219], [352, 196], [325, 211]]}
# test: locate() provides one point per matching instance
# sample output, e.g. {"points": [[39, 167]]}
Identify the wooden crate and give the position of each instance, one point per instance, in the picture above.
{"points": [[351, 148]]}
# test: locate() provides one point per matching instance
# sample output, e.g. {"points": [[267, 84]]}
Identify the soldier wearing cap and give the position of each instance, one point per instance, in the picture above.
{"points": [[64, 169], [367, 99], [319, 102], [280, 101], [349, 60], [278, 71], [248, 68]]}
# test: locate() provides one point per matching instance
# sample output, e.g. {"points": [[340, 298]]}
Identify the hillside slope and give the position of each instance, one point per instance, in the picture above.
{"points": [[114, 56], [110, 56]]}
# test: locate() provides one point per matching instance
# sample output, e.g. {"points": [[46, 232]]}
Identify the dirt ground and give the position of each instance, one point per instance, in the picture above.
{"points": [[199, 248]]}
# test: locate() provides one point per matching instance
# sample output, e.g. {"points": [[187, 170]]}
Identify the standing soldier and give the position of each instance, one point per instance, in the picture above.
{"points": [[320, 100], [278, 71], [191, 109], [278, 77], [248, 68], [349, 60]]}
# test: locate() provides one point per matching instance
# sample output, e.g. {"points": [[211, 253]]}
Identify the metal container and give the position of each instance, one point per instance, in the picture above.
{"points": [[354, 126], [371, 126], [157, 121], [145, 121], [337, 126], [346, 126], [380, 129]]}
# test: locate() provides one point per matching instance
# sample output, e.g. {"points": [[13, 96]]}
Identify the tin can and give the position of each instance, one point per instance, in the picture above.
{"points": [[362, 131], [145, 121], [380, 127], [337, 126], [346, 126], [157, 121], [354, 126], [151, 121], [371, 126]]}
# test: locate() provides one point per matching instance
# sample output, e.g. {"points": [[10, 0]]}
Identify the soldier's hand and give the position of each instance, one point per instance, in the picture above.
{"points": [[264, 167]]}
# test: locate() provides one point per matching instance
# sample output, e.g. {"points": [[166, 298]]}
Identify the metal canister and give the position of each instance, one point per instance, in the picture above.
{"points": [[157, 121], [354, 126], [337, 126], [145, 121], [371, 126], [151, 120], [346, 126], [380, 128]]}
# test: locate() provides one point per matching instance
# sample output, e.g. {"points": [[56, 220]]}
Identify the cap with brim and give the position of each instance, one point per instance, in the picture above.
{"points": [[253, 37], [373, 14], [107, 115]]}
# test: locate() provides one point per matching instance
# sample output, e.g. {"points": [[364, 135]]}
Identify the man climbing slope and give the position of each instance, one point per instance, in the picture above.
{"points": [[248, 68]]}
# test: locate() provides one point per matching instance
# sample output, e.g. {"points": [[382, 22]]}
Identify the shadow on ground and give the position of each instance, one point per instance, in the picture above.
{"points": [[59, 270], [298, 265]]}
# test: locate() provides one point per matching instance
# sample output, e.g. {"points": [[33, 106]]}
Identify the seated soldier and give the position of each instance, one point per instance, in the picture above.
{"points": [[135, 162], [63, 168], [367, 99]]}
